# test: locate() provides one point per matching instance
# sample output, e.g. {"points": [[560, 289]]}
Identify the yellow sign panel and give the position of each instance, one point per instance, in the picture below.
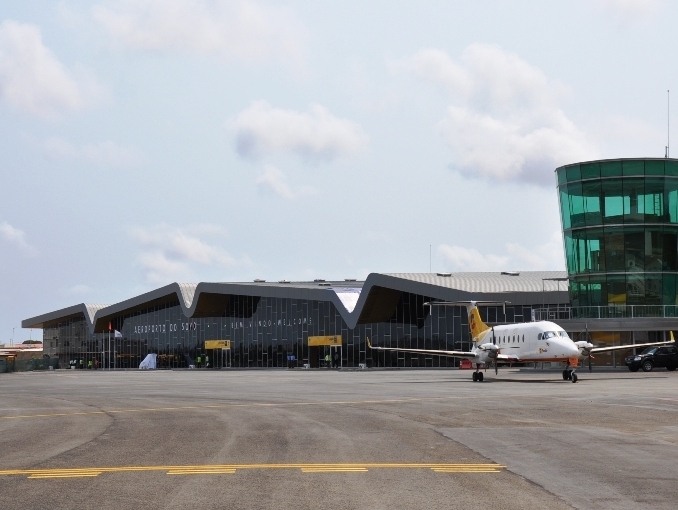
{"points": [[315, 341], [217, 344]]}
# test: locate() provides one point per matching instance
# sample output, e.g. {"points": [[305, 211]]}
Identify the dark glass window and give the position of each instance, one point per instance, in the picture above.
{"points": [[590, 170], [610, 168], [633, 167], [573, 173]]}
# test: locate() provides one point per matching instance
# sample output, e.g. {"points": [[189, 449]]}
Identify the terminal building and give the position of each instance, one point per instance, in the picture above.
{"points": [[620, 232], [277, 324]]}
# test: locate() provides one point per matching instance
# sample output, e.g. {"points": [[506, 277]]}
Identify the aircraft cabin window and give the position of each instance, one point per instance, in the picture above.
{"points": [[523, 338], [539, 336]]}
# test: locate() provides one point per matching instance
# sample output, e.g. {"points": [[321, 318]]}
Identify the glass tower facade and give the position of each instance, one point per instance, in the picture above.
{"points": [[620, 231]]}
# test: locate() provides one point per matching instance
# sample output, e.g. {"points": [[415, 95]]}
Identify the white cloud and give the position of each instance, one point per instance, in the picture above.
{"points": [[240, 29], [17, 237], [505, 121], [32, 79], [273, 179], [78, 289], [631, 8], [171, 254], [546, 256], [316, 134], [105, 153]]}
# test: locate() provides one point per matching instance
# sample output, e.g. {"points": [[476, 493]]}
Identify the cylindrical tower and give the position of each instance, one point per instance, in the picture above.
{"points": [[620, 230]]}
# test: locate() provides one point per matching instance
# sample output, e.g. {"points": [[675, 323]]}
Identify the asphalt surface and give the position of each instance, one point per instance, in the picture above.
{"points": [[338, 439]]}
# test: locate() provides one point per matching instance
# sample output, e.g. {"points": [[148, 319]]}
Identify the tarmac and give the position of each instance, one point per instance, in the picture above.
{"points": [[338, 439]]}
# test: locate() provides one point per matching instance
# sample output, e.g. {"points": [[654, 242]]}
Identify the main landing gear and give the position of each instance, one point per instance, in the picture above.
{"points": [[569, 375], [477, 375]]}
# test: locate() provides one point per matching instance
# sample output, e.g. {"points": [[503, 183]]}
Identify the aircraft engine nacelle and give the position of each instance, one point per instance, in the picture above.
{"points": [[489, 351], [584, 347]]}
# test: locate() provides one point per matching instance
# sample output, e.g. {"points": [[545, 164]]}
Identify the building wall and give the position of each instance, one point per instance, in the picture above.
{"points": [[265, 331], [620, 231]]}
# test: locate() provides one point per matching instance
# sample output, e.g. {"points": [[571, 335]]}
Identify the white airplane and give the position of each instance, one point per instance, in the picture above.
{"points": [[517, 343]]}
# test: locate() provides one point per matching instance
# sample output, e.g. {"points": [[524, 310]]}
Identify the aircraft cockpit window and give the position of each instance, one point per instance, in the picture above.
{"points": [[563, 334], [549, 334]]}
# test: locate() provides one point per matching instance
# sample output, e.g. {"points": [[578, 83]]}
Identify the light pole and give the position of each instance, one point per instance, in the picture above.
{"points": [[13, 336]]}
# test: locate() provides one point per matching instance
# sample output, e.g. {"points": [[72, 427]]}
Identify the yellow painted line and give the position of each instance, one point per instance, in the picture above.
{"points": [[227, 406], [65, 475], [203, 472], [231, 468], [347, 470], [461, 470]]}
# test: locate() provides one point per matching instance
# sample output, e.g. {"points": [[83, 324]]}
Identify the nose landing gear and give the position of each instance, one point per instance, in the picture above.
{"points": [[569, 375], [477, 375]]}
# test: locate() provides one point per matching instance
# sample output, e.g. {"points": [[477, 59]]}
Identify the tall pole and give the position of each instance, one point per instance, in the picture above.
{"points": [[13, 336]]}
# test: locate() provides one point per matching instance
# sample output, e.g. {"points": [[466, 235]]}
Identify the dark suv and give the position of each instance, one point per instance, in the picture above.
{"points": [[665, 356]]}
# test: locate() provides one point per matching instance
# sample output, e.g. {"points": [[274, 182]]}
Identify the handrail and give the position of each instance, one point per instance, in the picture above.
{"points": [[566, 312]]}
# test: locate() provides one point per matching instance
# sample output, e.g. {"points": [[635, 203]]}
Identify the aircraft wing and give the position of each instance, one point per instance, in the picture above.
{"points": [[627, 347], [508, 358], [430, 352]]}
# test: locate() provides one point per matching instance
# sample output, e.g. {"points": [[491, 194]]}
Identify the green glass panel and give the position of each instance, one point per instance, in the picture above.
{"points": [[671, 199], [652, 203], [562, 175], [654, 243], [590, 171], [614, 203], [565, 207], [595, 239], [573, 173], [592, 206], [570, 253], [576, 204], [654, 167], [669, 289], [671, 168], [614, 249], [633, 167], [616, 289], [635, 289], [634, 249], [653, 289], [669, 249], [633, 190], [598, 290], [610, 168]]}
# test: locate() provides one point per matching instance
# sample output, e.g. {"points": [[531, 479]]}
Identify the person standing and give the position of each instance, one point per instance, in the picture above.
{"points": [[327, 360]]}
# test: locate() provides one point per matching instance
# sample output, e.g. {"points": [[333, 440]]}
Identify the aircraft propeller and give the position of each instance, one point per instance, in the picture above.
{"points": [[496, 361]]}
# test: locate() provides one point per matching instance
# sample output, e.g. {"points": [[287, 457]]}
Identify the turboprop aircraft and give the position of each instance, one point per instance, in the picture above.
{"points": [[517, 343]]}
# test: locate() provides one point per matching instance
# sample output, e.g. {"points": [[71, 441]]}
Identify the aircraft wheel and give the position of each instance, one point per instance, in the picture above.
{"points": [[475, 376], [573, 376], [480, 377], [564, 375]]}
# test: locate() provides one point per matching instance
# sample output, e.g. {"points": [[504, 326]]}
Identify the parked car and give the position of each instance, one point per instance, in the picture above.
{"points": [[664, 356]]}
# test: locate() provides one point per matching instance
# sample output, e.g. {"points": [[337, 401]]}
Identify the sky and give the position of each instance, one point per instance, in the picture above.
{"points": [[144, 142]]}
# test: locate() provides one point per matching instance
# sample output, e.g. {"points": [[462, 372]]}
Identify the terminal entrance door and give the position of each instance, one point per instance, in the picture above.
{"points": [[219, 353], [335, 356], [319, 346]]}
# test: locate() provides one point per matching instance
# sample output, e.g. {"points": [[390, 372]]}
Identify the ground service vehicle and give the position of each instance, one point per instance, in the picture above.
{"points": [[665, 356]]}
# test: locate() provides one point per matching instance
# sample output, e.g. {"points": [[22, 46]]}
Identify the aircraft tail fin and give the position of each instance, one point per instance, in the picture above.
{"points": [[475, 323]]}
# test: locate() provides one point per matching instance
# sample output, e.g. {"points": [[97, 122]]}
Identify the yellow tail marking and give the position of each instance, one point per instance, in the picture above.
{"points": [[476, 323]]}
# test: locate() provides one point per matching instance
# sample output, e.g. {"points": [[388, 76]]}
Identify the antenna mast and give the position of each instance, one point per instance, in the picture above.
{"points": [[668, 120]]}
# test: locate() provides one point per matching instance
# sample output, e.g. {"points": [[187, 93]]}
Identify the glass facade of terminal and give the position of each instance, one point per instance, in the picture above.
{"points": [[269, 332], [620, 229]]}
